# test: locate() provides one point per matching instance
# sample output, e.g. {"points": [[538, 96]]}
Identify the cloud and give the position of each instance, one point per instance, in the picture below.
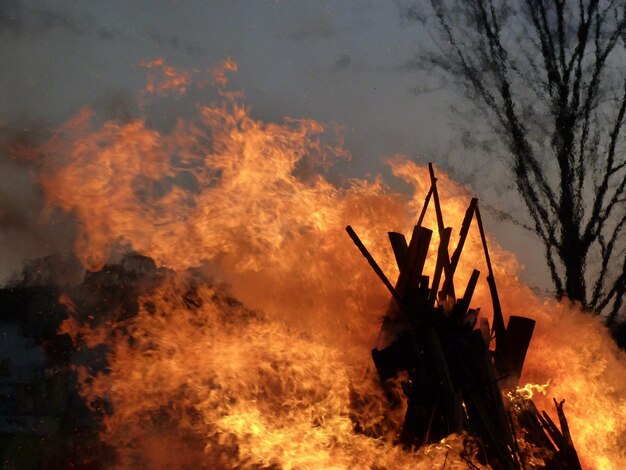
{"points": [[316, 27], [342, 63], [110, 34], [23, 20], [412, 12], [24, 234], [174, 42]]}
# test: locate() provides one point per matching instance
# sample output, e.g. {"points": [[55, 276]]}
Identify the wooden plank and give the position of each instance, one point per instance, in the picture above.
{"points": [[498, 319], [390, 360], [548, 435], [511, 356], [434, 408], [433, 185], [399, 247], [420, 391], [489, 404], [413, 289], [414, 263], [471, 286], [441, 372], [420, 220], [460, 309], [471, 317], [441, 253], [424, 290], [485, 330], [372, 262], [449, 284], [567, 451], [465, 226], [532, 422], [454, 261]]}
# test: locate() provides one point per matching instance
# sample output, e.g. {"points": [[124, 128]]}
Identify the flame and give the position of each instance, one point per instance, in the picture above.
{"points": [[171, 80], [529, 390], [288, 382]]}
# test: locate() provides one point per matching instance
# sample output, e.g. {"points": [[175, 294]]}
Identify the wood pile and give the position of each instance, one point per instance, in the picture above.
{"points": [[452, 381]]}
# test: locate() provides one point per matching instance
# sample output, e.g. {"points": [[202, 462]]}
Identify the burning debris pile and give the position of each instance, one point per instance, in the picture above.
{"points": [[453, 382], [240, 335]]}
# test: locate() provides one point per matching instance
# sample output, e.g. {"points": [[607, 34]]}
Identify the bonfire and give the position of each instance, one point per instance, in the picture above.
{"points": [[453, 382], [225, 319]]}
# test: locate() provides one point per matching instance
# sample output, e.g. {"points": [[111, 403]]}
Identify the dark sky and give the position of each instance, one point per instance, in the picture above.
{"points": [[345, 61]]}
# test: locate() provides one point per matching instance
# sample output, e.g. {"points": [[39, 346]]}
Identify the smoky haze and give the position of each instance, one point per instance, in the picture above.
{"points": [[349, 62]]}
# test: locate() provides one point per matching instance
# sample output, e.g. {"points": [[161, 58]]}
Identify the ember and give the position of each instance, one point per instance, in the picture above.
{"points": [[246, 342]]}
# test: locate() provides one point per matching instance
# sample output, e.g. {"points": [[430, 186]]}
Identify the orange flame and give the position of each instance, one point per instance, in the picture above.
{"points": [[529, 390], [234, 195], [171, 80]]}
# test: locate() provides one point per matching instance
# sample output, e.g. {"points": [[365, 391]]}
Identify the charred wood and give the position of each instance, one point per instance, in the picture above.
{"points": [[452, 381], [399, 247]]}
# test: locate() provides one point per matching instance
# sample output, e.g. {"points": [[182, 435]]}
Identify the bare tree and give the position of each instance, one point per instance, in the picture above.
{"points": [[550, 77]]}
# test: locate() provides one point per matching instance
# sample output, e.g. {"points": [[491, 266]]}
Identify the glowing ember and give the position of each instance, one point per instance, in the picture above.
{"points": [[289, 383]]}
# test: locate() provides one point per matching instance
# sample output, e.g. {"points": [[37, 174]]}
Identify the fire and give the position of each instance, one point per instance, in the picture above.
{"points": [[287, 379], [529, 390], [172, 79]]}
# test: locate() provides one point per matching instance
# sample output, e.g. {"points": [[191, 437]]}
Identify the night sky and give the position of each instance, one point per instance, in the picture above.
{"points": [[346, 61]]}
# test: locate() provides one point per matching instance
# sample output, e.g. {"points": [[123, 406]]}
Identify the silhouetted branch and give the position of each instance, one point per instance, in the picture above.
{"points": [[545, 74]]}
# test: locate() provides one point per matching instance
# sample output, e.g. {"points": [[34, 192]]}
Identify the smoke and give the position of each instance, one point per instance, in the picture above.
{"points": [[24, 236]]}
